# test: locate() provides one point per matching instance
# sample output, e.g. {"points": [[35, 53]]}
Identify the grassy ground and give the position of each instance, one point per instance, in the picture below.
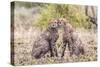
{"points": [[23, 47], [26, 34]]}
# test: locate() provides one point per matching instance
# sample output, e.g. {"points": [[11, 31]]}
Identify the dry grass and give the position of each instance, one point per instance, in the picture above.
{"points": [[26, 34], [23, 47]]}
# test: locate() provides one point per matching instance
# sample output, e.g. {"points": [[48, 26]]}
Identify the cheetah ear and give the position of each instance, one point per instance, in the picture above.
{"points": [[66, 20], [51, 20], [49, 23]]}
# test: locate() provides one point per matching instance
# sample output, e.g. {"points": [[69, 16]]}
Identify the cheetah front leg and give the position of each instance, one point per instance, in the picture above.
{"points": [[53, 49], [63, 49]]}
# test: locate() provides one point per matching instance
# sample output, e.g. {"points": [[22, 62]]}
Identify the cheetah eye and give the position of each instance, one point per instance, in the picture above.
{"points": [[55, 22], [59, 22]]}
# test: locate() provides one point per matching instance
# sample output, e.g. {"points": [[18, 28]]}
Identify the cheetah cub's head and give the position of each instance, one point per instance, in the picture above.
{"points": [[53, 23], [62, 22]]}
